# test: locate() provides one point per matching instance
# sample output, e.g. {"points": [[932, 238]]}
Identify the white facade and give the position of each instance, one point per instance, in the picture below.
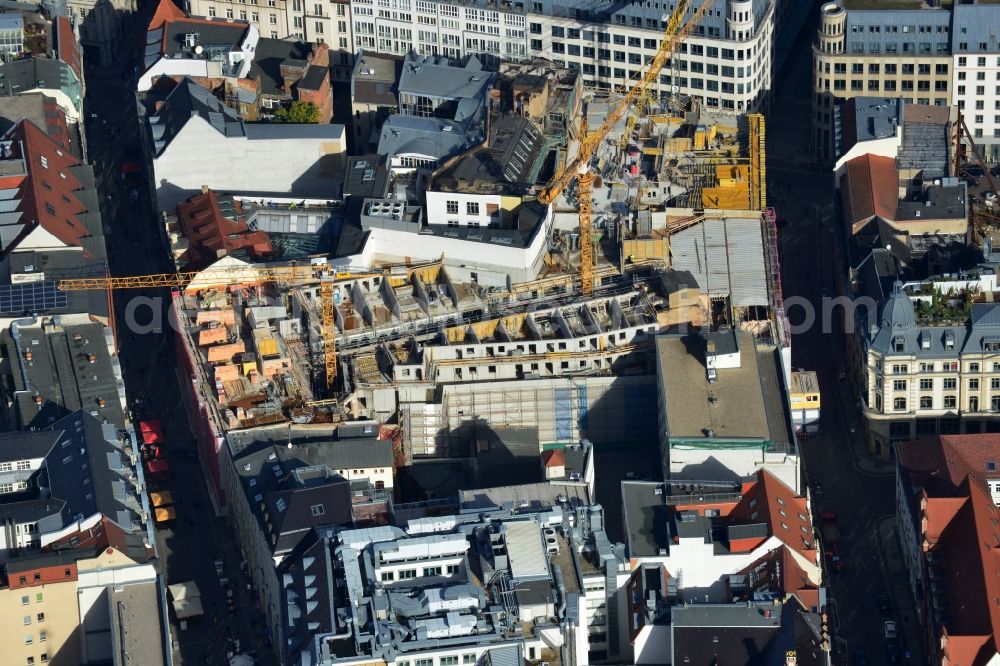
{"points": [[492, 263], [428, 27], [461, 209], [726, 68], [200, 155], [976, 86]]}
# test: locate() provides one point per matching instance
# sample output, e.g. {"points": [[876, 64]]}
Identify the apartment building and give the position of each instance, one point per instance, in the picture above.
{"points": [[976, 73], [726, 63], [76, 607], [870, 52], [318, 21], [925, 377], [488, 29]]}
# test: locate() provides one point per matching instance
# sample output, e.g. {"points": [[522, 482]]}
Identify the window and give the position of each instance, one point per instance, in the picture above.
{"points": [[387, 576], [926, 384], [973, 403], [472, 208], [31, 661], [973, 367], [995, 403], [468, 658], [451, 207], [27, 620], [926, 402], [899, 404], [424, 662], [25, 600], [432, 571], [949, 402], [45, 657], [558, 31], [42, 636], [450, 660], [973, 384], [40, 617], [950, 383], [406, 574], [899, 385]]}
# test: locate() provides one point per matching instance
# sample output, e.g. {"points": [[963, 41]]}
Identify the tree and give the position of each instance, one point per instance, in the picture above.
{"points": [[299, 112]]}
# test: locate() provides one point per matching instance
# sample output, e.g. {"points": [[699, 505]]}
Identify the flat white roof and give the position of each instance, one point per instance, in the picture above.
{"points": [[524, 548]]}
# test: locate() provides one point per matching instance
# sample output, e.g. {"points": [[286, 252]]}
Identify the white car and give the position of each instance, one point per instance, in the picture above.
{"points": [[889, 627]]}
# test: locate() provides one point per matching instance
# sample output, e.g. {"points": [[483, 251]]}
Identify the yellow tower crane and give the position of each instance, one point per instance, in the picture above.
{"points": [[233, 275], [579, 167]]}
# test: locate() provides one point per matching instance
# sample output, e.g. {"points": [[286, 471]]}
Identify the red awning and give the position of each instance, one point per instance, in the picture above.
{"points": [[153, 437], [158, 465], [149, 426]]}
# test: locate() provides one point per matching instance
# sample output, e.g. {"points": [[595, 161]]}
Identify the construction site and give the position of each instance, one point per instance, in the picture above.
{"points": [[659, 223]]}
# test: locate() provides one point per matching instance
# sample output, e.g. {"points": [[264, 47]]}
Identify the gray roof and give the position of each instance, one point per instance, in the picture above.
{"points": [[26, 445], [859, 21], [434, 138], [538, 496], [938, 203], [897, 323], [974, 26], [366, 176], [509, 160], [186, 100], [88, 471], [63, 375], [646, 519], [278, 131], [267, 61], [725, 615], [37, 72], [374, 79], [926, 142], [435, 77], [212, 34], [308, 595], [313, 78], [876, 117], [135, 608], [725, 256], [744, 402]]}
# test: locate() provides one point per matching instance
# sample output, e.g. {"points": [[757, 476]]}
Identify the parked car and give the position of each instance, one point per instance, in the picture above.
{"points": [[892, 652], [831, 539]]}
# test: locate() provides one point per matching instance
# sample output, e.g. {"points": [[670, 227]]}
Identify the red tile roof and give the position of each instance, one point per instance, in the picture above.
{"points": [[554, 458], [166, 10], [869, 188], [969, 547], [210, 233], [942, 463], [48, 195], [778, 571], [772, 502]]}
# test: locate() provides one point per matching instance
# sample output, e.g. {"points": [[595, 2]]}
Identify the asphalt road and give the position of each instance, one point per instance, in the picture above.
{"points": [[188, 548], [848, 484]]}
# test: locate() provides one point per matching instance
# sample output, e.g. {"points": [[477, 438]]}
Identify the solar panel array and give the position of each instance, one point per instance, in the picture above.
{"points": [[31, 297]]}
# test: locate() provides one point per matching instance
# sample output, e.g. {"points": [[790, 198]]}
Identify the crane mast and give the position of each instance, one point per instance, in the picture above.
{"points": [[579, 167]]}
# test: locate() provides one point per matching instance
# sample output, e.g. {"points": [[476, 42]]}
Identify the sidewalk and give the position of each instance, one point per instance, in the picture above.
{"points": [[904, 610]]}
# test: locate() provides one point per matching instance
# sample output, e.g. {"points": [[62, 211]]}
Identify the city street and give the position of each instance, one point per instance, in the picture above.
{"points": [[187, 548], [842, 476]]}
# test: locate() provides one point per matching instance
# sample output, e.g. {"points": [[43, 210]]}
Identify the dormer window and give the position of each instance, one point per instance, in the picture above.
{"points": [[949, 339], [991, 466], [925, 341], [991, 344], [898, 344]]}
